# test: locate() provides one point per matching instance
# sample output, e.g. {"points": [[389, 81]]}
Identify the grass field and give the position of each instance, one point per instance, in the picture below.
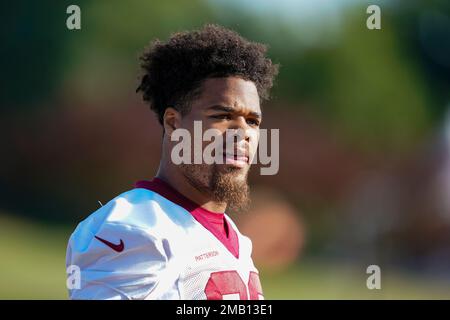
{"points": [[32, 266]]}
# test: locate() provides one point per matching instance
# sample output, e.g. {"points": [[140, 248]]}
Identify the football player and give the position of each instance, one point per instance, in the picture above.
{"points": [[169, 237]]}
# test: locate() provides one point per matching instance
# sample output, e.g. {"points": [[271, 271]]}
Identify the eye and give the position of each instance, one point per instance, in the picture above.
{"points": [[222, 116], [253, 122]]}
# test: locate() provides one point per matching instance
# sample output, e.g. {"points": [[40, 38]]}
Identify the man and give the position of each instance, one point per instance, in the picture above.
{"points": [[169, 238]]}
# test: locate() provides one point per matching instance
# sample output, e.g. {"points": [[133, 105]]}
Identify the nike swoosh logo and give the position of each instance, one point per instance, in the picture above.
{"points": [[116, 247]]}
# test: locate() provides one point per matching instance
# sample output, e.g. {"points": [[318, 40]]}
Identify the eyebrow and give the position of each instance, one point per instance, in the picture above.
{"points": [[231, 109]]}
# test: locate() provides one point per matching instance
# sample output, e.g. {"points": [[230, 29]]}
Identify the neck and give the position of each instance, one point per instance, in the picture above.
{"points": [[179, 182]]}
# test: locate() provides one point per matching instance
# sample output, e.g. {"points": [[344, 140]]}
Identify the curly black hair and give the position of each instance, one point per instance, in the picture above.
{"points": [[174, 71]]}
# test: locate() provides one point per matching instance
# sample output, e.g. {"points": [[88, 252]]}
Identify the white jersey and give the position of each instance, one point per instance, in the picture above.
{"points": [[141, 245]]}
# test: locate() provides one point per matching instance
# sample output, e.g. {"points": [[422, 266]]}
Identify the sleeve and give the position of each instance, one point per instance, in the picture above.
{"points": [[116, 261]]}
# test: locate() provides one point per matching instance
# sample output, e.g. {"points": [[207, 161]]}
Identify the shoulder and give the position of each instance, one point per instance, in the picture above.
{"points": [[136, 208], [126, 247], [137, 213]]}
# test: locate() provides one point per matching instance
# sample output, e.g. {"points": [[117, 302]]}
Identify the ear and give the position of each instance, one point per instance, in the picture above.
{"points": [[171, 120]]}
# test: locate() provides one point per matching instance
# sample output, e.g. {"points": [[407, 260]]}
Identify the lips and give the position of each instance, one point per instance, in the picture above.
{"points": [[239, 158]]}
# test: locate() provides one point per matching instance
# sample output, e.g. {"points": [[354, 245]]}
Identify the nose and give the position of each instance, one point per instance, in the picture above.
{"points": [[241, 128]]}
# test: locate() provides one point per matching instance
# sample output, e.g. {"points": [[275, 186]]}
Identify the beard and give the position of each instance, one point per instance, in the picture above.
{"points": [[224, 184]]}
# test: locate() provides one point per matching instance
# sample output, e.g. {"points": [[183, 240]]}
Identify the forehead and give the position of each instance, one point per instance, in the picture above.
{"points": [[231, 91]]}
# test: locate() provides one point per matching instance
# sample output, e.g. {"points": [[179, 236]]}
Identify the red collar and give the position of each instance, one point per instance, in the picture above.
{"points": [[202, 215]]}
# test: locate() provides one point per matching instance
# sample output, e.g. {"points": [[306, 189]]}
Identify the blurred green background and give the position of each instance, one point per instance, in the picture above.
{"points": [[364, 138]]}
